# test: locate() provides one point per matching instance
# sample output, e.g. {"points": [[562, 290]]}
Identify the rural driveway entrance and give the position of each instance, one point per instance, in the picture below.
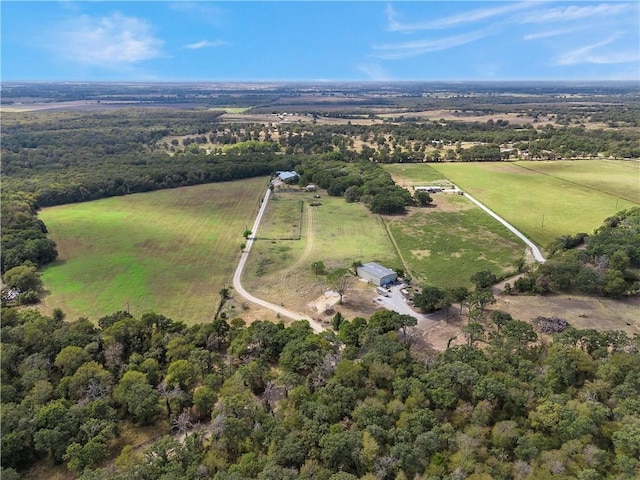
{"points": [[315, 325], [396, 302]]}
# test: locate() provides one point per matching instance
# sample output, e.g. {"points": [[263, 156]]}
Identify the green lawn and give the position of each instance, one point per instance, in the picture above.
{"points": [[444, 245], [543, 206], [169, 251]]}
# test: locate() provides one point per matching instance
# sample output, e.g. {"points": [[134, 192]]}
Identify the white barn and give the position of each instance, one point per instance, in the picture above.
{"points": [[377, 274]]}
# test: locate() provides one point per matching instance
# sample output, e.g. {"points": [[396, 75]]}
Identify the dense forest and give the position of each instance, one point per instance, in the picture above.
{"points": [[273, 402], [24, 235], [67, 158]]}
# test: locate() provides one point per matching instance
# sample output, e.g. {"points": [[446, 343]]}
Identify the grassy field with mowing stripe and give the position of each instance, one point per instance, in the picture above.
{"points": [[541, 206], [615, 177], [169, 251]]}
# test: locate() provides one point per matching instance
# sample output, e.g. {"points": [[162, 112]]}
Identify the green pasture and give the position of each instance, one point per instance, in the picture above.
{"points": [[169, 251], [285, 219], [231, 109], [277, 243], [335, 232], [413, 174], [542, 206], [615, 177], [347, 232], [446, 244]]}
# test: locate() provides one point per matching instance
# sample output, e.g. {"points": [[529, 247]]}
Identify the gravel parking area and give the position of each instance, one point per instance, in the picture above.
{"points": [[398, 303]]}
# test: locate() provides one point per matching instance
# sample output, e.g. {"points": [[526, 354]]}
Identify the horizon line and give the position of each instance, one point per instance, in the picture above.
{"points": [[320, 82]]}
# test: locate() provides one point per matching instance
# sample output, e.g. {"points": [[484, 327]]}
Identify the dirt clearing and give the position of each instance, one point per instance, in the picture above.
{"points": [[581, 312]]}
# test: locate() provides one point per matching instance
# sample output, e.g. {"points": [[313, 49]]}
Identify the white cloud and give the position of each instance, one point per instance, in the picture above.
{"points": [[204, 11], [470, 16], [418, 47], [552, 33], [596, 55], [573, 12], [69, 5], [111, 41], [205, 44], [374, 71]]}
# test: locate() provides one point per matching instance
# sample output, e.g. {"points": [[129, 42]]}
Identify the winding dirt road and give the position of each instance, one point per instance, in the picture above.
{"points": [[315, 325]]}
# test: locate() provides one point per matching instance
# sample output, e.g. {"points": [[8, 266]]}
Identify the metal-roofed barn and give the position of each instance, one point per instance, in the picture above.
{"points": [[286, 176], [377, 274]]}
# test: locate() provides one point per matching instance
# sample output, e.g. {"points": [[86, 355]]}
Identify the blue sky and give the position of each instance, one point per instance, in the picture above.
{"points": [[314, 41]]}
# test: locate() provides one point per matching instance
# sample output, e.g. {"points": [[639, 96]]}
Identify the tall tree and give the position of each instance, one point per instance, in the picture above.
{"points": [[340, 280]]}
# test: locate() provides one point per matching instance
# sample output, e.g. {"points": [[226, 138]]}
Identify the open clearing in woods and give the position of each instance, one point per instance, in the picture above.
{"points": [[169, 251], [575, 197]]}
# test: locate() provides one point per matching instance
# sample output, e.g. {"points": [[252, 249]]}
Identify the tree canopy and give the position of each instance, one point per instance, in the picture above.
{"points": [[283, 402]]}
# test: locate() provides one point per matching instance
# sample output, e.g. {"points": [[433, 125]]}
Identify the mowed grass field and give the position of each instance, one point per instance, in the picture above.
{"points": [[616, 177], [545, 201], [408, 175], [444, 245], [169, 251], [336, 233]]}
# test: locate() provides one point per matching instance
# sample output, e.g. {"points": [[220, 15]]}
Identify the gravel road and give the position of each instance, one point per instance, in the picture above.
{"points": [[315, 325]]}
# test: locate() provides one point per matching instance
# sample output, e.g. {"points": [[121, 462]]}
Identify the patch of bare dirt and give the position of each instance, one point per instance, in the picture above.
{"points": [[325, 302], [437, 337], [581, 312], [238, 307], [441, 203]]}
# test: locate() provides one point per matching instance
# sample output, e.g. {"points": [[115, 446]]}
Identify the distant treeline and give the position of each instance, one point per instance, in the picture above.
{"points": [[69, 157], [52, 158], [157, 173], [410, 140]]}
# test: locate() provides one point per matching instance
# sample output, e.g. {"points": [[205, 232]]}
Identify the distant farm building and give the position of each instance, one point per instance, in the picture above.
{"points": [[429, 189], [311, 188], [377, 274], [287, 176]]}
